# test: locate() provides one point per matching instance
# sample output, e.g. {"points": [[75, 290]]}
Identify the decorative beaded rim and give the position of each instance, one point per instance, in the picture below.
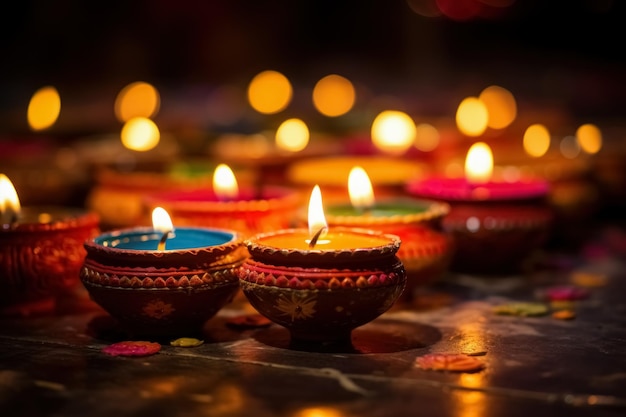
{"points": [[369, 255], [188, 279], [316, 279]]}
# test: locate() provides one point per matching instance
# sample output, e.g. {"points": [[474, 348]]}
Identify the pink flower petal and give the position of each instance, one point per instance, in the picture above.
{"points": [[132, 348]]}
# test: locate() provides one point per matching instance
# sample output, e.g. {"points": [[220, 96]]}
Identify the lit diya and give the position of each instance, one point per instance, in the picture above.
{"points": [[321, 283], [227, 205], [496, 225], [41, 252], [161, 280]]}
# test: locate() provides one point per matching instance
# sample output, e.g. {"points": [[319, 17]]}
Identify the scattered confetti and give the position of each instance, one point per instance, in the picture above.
{"points": [[248, 321], [457, 362], [186, 342], [525, 309], [588, 279], [564, 315], [566, 293], [132, 348]]}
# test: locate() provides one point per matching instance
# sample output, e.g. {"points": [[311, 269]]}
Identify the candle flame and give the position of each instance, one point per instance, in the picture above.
{"points": [[479, 163], [161, 220], [9, 201], [225, 183], [317, 220], [360, 189]]}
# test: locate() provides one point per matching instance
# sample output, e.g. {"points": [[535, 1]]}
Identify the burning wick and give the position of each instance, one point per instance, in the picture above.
{"points": [[161, 245], [316, 236], [162, 223]]}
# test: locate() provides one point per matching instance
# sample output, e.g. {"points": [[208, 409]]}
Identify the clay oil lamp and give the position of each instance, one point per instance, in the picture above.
{"points": [[227, 205], [425, 251], [495, 224], [321, 283], [41, 252], [163, 281]]}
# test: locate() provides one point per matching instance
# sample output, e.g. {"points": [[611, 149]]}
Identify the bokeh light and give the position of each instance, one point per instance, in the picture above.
{"points": [[138, 99], [501, 106], [140, 134], [472, 116], [333, 95], [393, 132], [589, 138], [427, 137], [44, 108], [536, 140], [569, 147], [292, 135], [269, 92]]}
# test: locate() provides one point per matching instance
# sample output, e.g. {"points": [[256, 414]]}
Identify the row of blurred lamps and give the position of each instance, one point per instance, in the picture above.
{"points": [[270, 92]]}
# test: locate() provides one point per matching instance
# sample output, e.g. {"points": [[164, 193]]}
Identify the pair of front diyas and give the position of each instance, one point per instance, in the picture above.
{"points": [[319, 293]]}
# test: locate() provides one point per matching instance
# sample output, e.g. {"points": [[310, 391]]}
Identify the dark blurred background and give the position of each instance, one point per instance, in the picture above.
{"points": [[568, 51], [564, 62]]}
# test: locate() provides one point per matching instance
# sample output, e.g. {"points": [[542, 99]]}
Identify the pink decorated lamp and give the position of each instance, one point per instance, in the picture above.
{"points": [[495, 224], [226, 205], [321, 283]]}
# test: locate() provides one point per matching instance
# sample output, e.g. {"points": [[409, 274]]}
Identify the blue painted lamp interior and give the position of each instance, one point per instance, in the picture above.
{"points": [[148, 239]]}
